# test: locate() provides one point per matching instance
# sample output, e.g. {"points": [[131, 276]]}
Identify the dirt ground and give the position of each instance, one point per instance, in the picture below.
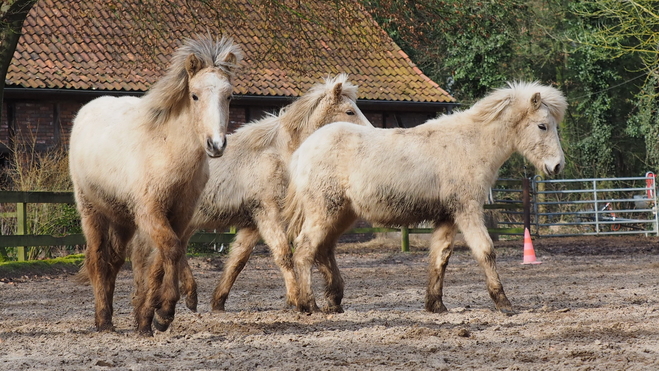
{"points": [[593, 304]]}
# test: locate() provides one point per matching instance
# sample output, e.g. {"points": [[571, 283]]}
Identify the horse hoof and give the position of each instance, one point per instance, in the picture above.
{"points": [[437, 307], [217, 306], [333, 309], [145, 333], [191, 302], [308, 308], [106, 327], [507, 311], [161, 323]]}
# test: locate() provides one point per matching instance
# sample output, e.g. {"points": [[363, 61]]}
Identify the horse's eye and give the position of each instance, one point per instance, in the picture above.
{"points": [[195, 97], [542, 126], [350, 113]]}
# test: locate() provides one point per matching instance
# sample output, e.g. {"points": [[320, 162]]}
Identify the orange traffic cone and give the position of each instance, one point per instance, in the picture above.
{"points": [[529, 253]]}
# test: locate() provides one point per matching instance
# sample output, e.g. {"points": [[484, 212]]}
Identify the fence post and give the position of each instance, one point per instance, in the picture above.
{"points": [[404, 239], [526, 203], [21, 228]]}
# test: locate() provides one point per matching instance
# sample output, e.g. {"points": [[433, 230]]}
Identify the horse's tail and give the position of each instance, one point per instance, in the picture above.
{"points": [[82, 277], [293, 212]]}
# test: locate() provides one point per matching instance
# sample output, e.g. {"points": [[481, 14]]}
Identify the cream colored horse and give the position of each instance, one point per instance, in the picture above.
{"points": [[141, 164], [248, 184], [439, 171]]}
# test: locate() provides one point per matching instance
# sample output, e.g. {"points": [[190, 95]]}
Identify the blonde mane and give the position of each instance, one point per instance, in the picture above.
{"points": [[169, 94], [295, 118], [490, 107]]}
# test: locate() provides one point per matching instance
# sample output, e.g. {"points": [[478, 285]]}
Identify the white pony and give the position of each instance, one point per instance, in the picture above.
{"points": [[247, 186], [439, 171], [141, 164]]}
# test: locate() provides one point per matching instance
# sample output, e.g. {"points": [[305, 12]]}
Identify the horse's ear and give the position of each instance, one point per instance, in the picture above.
{"points": [[231, 61], [536, 101], [337, 91], [192, 65]]}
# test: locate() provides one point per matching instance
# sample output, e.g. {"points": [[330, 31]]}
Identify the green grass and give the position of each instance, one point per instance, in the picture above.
{"points": [[66, 264]]}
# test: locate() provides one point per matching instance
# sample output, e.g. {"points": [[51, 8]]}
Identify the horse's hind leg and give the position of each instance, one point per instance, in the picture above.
{"points": [[441, 247], [239, 253], [103, 259], [306, 247], [188, 283], [482, 248], [327, 266], [271, 227], [95, 227]]}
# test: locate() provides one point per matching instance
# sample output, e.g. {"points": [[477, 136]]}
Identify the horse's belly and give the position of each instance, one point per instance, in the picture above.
{"points": [[391, 211]]}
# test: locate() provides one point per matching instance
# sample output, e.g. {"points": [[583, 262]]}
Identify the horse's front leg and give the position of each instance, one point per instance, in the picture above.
{"points": [[480, 243], [441, 247], [162, 291], [188, 283], [239, 253]]}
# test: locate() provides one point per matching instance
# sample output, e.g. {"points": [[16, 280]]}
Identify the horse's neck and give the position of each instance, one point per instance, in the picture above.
{"points": [[181, 139], [495, 139]]}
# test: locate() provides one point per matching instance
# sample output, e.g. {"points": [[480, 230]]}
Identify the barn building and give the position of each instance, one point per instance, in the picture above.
{"points": [[73, 51]]}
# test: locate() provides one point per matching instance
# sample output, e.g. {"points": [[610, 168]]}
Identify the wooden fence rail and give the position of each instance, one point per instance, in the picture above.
{"points": [[21, 240]]}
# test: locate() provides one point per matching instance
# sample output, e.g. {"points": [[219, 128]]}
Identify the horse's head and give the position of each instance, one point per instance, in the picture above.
{"points": [[331, 101], [210, 67], [540, 109], [338, 103]]}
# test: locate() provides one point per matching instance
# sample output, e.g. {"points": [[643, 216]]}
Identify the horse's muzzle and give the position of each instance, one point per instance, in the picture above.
{"points": [[215, 149], [553, 170]]}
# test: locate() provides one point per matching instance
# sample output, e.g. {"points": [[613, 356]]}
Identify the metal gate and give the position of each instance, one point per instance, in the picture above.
{"points": [[576, 207], [598, 206]]}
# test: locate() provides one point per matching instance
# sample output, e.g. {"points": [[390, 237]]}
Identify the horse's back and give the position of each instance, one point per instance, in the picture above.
{"points": [[386, 174]]}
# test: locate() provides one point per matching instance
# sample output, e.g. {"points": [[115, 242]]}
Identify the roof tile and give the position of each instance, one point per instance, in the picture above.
{"points": [[108, 45]]}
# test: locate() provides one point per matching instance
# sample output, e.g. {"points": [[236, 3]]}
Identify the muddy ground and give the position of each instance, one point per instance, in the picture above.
{"points": [[593, 304]]}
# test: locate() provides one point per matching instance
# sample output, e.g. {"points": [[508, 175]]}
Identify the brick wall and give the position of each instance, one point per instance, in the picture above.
{"points": [[34, 122]]}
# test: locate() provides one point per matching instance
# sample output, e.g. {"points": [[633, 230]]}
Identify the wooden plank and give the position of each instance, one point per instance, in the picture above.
{"points": [[37, 197], [509, 182], [79, 239], [21, 228], [405, 239], [203, 237], [510, 206], [41, 240]]}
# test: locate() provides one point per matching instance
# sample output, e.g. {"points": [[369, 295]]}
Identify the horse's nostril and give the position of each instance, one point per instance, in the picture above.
{"points": [[557, 169], [209, 143], [224, 145]]}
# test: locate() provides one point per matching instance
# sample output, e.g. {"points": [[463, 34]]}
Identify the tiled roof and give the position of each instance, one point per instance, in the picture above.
{"points": [[125, 45]]}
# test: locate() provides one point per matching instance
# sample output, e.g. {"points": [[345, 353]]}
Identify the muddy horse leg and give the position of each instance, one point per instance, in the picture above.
{"points": [[106, 253], [162, 292], [326, 263], [307, 244], [188, 283], [239, 252], [95, 227], [140, 258], [271, 227], [441, 247], [479, 241]]}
